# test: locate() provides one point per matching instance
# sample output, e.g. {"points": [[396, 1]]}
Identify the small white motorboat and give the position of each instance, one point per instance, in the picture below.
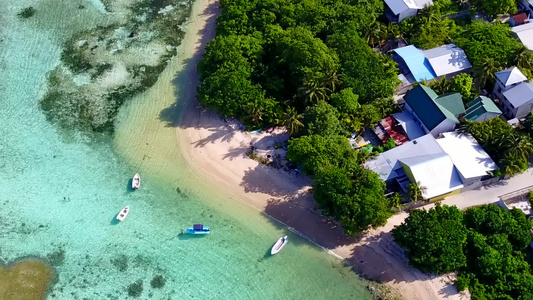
{"points": [[136, 182], [123, 213], [279, 245]]}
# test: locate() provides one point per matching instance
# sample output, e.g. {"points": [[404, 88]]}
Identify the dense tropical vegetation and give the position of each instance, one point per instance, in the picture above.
{"points": [[306, 65], [485, 245], [508, 147]]}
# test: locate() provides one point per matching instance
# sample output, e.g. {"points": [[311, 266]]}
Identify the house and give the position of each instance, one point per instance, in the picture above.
{"points": [[413, 65], [422, 161], [525, 34], [448, 60], [417, 66], [398, 10], [517, 102], [436, 114], [507, 79], [441, 166], [481, 109]]}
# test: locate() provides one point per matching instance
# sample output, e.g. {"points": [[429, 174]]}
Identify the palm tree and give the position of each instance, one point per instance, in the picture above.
{"points": [[521, 146], [313, 90], [374, 33], [332, 81], [416, 190], [291, 120], [254, 112], [485, 71]]}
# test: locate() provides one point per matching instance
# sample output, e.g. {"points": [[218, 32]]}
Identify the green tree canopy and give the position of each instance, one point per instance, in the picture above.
{"points": [[322, 119], [485, 245], [352, 195], [507, 147], [370, 75], [433, 239], [481, 41], [496, 7]]}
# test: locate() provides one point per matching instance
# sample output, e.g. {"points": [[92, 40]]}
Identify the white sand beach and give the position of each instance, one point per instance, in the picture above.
{"points": [[216, 151]]}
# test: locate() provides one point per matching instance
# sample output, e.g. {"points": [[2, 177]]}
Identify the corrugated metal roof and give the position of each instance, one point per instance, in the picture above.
{"points": [[421, 99], [416, 62], [480, 106], [387, 162], [435, 173], [447, 59], [520, 94], [452, 102]]}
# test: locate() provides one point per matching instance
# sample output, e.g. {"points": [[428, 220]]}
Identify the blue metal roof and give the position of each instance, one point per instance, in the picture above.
{"points": [[416, 62]]}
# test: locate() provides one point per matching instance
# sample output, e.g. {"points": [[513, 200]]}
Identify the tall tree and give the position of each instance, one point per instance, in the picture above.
{"points": [[291, 120]]}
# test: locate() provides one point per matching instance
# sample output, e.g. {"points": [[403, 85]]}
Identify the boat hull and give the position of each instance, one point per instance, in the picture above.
{"points": [[279, 245], [123, 213], [191, 230], [136, 182]]}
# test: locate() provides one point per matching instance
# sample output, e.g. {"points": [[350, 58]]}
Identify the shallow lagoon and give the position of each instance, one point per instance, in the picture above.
{"points": [[59, 194]]}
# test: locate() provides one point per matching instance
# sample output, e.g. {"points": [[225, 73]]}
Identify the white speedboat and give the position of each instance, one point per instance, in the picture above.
{"points": [[136, 182], [123, 213], [279, 245]]}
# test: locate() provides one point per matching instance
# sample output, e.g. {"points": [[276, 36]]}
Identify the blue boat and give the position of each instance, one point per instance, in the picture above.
{"points": [[198, 229]]}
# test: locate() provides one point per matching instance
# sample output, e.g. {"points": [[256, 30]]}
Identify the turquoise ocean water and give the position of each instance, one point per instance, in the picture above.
{"points": [[59, 195]]}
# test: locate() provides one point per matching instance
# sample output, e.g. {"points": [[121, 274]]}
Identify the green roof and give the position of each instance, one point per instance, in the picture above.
{"points": [[480, 106], [432, 109], [453, 102]]}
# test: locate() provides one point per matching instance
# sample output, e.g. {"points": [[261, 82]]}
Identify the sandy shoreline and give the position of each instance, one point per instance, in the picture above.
{"points": [[217, 153]]}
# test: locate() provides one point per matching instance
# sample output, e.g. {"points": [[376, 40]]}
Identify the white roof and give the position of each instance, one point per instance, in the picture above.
{"points": [[467, 155], [520, 94], [510, 76], [399, 6], [386, 164], [411, 128], [436, 174], [447, 59], [525, 34]]}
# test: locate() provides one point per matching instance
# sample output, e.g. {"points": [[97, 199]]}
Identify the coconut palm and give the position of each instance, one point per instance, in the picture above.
{"points": [[254, 112], [485, 71], [313, 90], [520, 146], [291, 120], [416, 190], [332, 81]]}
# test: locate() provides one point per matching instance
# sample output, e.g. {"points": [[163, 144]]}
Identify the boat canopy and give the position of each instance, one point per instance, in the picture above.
{"points": [[198, 227]]}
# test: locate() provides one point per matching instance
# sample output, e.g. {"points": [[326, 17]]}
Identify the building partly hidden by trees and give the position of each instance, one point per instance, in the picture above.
{"points": [[485, 245], [303, 64]]}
